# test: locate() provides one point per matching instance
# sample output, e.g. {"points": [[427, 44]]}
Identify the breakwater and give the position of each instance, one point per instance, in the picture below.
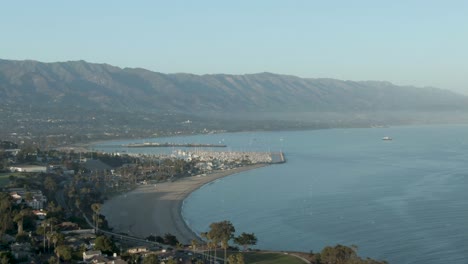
{"points": [[277, 157]]}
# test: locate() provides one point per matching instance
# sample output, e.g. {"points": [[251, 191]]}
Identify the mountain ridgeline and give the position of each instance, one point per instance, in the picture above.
{"points": [[66, 102], [105, 87]]}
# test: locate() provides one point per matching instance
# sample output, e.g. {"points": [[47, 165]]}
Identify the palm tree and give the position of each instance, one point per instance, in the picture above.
{"points": [[19, 218], [205, 236], [43, 231], [57, 238], [6, 211], [64, 252], [194, 244], [50, 222], [78, 203], [96, 207], [214, 237], [210, 244]]}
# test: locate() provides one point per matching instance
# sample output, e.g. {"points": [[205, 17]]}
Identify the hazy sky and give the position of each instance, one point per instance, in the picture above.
{"points": [[422, 43]]}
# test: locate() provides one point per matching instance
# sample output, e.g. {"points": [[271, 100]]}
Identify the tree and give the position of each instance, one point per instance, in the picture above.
{"points": [[134, 258], [171, 261], [179, 246], [240, 258], [57, 238], [151, 238], [52, 259], [63, 252], [212, 241], [50, 222], [206, 236], [6, 213], [222, 232], [104, 244], [232, 259], [96, 207], [6, 257], [28, 197], [54, 211], [160, 239], [170, 239], [194, 244], [245, 240], [42, 229], [339, 254], [78, 203], [236, 259], [151, 259], [49, 184], [12, 179], [19, 218]]}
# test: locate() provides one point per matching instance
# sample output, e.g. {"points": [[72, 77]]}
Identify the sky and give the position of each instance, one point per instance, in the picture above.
{"points": [[406, 42]]}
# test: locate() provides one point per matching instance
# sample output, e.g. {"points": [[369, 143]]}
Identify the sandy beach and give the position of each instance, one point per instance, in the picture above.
{"points": [[156, 210]]}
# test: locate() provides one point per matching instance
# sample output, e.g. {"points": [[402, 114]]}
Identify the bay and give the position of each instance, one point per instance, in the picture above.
{"points": [[403, 200]]}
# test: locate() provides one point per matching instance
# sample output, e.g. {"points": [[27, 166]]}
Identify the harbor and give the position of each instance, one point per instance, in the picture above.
{"points": [[168, 144]]}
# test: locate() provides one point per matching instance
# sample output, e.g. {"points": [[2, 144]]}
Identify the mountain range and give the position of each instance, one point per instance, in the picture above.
{"points": [[106, 87], [77, 101]]}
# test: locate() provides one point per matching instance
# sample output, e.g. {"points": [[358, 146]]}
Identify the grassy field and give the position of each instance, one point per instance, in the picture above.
{"points": [[4, 177], [269, 258]]}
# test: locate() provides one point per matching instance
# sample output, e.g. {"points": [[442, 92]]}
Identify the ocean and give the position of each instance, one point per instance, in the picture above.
{"points": [[404, 200]]}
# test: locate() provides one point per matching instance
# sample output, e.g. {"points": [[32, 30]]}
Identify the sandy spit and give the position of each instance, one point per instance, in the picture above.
{"points": [[156, 210]]}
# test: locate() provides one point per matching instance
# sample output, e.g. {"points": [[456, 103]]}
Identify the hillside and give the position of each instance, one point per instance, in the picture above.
{"points": [[76, 101], [101, 86]]}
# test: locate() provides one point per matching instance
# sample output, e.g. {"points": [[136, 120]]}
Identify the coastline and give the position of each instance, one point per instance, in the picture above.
{"points": [[157, 210]]}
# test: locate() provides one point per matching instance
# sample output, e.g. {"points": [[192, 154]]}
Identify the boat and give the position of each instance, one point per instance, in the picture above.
{"points": [[386, 138]]}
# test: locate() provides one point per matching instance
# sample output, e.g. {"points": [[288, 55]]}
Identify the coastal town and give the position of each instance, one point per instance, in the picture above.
{"points": [[63, 206], [51, 203]]}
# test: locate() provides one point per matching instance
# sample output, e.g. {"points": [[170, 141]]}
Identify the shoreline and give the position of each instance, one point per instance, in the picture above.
{"points": [[157, 210]]}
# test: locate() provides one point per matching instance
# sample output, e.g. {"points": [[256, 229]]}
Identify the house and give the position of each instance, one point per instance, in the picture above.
{"points": [[137, 250], [38, 199], [106, 260], [99, 260], [41, 214], [88, 255], [68, 226]]}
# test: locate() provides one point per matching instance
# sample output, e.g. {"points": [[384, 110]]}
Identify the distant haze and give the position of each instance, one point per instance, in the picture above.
{"points": [[419, 43]]}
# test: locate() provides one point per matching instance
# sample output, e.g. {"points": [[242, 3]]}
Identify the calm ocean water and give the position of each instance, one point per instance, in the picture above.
{"points": [[405, 200]]}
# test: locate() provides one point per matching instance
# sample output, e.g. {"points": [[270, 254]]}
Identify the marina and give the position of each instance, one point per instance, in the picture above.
{"points": [[169, 145]]}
